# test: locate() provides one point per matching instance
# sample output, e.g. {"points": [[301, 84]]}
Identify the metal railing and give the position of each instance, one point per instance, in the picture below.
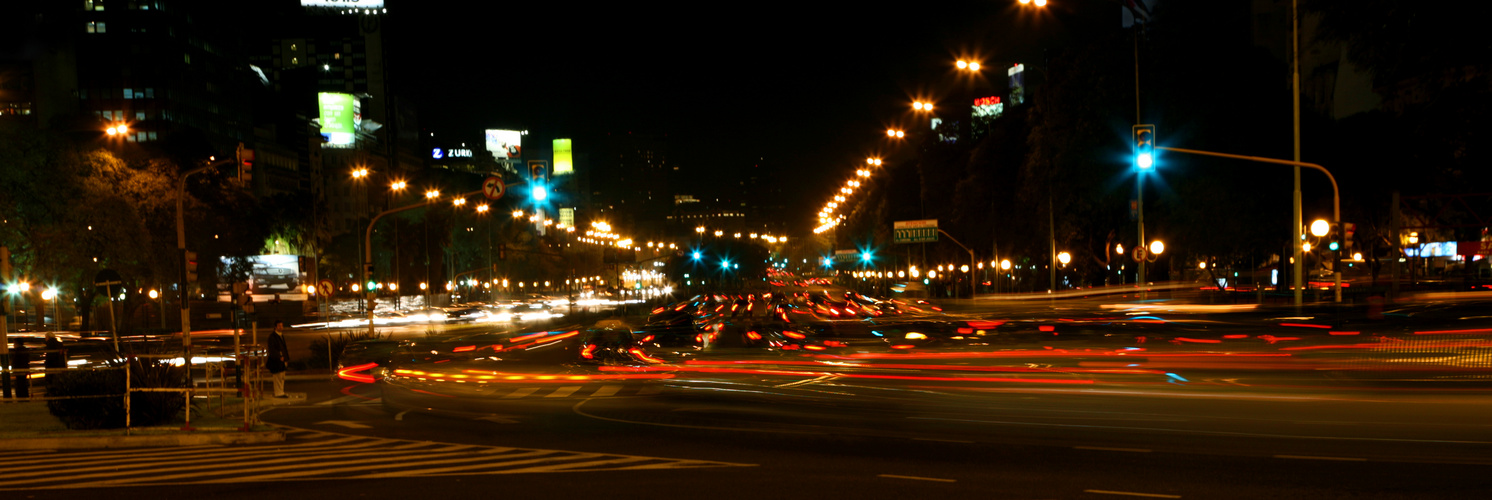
{"points": [[247, 384]]}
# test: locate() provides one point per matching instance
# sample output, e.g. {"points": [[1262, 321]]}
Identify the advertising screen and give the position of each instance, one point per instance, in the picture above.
{"points": [[339, 117], [505, 144], [564, 157], [271, 274], [344, 4], [1017, 76], [567, 216], [986, 109]]}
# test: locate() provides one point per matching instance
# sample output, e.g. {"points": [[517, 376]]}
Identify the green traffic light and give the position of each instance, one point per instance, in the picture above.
{"points": [[1333, 246]]}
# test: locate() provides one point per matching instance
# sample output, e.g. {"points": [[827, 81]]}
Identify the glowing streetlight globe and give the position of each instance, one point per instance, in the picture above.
{"points": [[1157, 248], [1320, 227]]}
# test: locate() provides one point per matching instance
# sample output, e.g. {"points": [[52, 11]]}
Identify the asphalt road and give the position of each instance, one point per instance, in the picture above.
{"points": [[1216, 432]]}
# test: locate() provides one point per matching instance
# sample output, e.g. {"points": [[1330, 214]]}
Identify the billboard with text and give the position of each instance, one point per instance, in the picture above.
{"points": [[505, 144], [339, 118]]}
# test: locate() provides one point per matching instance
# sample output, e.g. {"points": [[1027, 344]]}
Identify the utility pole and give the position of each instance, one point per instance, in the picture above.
{"points": [[1295, 219]]}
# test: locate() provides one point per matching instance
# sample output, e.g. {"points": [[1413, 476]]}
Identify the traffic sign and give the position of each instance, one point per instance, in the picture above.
{"points": [[846, 256], [324, 287], [493, 188], [915, 231]]}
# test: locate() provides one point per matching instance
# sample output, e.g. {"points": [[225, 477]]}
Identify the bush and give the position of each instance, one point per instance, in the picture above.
{"points": [[319, 358], [107, 410]]}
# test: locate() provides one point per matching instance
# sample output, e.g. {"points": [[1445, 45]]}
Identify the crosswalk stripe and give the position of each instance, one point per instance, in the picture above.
{"points": [[520, 393], [400, 462], [309, 455], [606, 390], [580, 465], [204, 463], [648, 390], [482, 463], [380, 456], [563, 392], [196, 452]]}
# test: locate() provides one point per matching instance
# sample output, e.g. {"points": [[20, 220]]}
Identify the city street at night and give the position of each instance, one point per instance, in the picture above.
{"points": [[1024, 249]]}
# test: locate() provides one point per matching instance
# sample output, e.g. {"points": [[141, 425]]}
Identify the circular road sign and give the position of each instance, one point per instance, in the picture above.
{"points": [[324, 287], [493, 188]]}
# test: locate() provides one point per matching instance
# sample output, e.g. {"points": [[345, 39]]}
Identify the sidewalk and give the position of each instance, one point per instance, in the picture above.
{"points": [[30, 426]]}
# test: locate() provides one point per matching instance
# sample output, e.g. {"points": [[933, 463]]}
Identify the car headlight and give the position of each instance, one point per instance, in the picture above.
{"points": [[916, 336]]}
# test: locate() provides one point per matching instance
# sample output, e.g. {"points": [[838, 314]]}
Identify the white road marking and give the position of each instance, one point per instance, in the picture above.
{"points": [[521, 393], [1308, 457], [1131, 494], [918, 478], [343, 399], [563, 392], [606, 390], [400, 416], [649, 390], [345, 423], [1105, 448]]}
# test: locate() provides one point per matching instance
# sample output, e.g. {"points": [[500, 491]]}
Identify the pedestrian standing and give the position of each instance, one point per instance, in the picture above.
{"points": [[56, 358], [20, 363], [279, 356]]}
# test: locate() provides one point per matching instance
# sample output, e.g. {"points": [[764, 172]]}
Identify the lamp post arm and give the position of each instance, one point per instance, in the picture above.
{"points": [[972, 261], [368, 246]]}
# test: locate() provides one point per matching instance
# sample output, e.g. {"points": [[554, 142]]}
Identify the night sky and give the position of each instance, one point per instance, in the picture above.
{"points": [[808, 88]]}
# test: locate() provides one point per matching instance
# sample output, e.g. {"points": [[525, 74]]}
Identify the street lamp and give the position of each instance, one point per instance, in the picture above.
{"points": [[972, 65], [1157, 248], [1320, 227], [359, 173], [432, 194], [1064, 258], [895, 134], [922, 106]]}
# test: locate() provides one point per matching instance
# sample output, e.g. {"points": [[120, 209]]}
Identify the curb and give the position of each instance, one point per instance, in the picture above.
{"points": [[157, 440]]}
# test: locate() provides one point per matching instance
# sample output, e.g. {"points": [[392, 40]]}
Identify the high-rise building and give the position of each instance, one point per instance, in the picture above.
{"points": [[166, 70]]}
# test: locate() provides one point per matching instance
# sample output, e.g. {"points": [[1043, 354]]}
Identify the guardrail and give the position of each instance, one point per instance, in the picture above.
{"points": [[248, 383]]}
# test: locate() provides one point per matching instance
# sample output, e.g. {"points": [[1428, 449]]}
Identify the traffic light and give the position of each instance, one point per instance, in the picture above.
{"points": [[245, 164], [1144, 143], [191, 266], [1334, 237], [502, 252], [1348, 229], [539, 179]]}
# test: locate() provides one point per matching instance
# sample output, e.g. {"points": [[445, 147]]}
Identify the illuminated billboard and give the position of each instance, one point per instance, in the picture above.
{"points": [[505, 144], [564, 157], [270, 273], [339, 117], [343, 4], [986, 109], [1017, 76]]}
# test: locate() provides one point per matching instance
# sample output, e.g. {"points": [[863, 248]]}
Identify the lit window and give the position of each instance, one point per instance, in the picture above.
{"points": [[151, 135], [149, 93], [95, 27], [295, 60], [129, 93], [139, 115], [292, 47]]}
